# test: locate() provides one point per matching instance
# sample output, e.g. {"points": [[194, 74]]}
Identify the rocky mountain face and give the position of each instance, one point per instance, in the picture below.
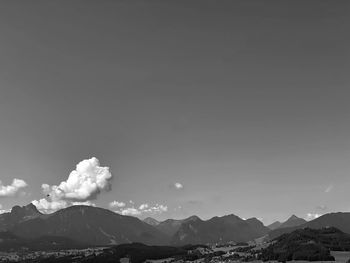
{"points": [[18, 215]]}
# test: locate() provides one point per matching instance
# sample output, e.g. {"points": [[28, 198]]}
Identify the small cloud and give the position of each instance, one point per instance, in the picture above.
{"points": [[13, 188], [312, 216], [88, 203], [116, 204], [143, 206], [130, 211], [329, 188], [143, 209], [178, 186]]}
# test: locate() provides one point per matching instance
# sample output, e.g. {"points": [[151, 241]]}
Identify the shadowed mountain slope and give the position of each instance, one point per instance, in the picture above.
{"points": [[274, 225], [219, 229], [91, 225], [307, 244], [292, 222], [171, 226]]}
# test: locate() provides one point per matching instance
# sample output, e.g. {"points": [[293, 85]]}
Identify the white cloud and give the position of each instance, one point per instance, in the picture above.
{"points": [[178, 186], [4, 211], [13, 188], [311, 216], [46, 206], [84, 183], [130, 211], [88, 203], [143, 209], [143, 206], [117, 204]]}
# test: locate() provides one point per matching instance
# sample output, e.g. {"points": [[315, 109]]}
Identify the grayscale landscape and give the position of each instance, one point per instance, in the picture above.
{"points": [[163, 131]]}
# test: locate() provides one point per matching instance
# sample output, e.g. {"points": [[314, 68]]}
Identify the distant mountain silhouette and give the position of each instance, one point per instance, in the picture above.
{"points": [[219, 229], [274, 225], [292, 222], [92, 225], [338, 220], [171, 226], [98, 226]]}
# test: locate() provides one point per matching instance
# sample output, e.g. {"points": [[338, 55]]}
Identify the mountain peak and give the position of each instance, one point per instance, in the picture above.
{"points": [[293, 221], [192, 218], [293, 217], [28, 210], [151, 221], [274, 225]]}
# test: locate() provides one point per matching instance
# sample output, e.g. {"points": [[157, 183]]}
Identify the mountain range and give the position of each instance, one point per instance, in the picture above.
{"points": [[339, 220], [86, 225], [292, 221]]}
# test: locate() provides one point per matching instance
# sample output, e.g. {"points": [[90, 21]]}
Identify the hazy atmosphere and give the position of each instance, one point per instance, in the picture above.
{"points": [[197, 109]]}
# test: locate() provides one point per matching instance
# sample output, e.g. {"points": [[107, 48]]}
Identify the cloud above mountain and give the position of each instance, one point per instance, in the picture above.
{"points": [[312, 216], [84, 184], [144, 208], [13, 188], [116, 204]]}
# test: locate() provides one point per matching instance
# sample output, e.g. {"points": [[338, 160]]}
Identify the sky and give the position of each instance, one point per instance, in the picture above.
{"points": [[197, 107]]}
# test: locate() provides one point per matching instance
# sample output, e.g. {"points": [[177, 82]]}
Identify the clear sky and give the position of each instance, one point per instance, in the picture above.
{"points": [[244, 103]]}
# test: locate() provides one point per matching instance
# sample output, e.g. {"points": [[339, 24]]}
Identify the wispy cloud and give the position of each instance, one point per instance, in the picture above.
{"points": [[13, 188], [176, 186], [329, 188]]}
